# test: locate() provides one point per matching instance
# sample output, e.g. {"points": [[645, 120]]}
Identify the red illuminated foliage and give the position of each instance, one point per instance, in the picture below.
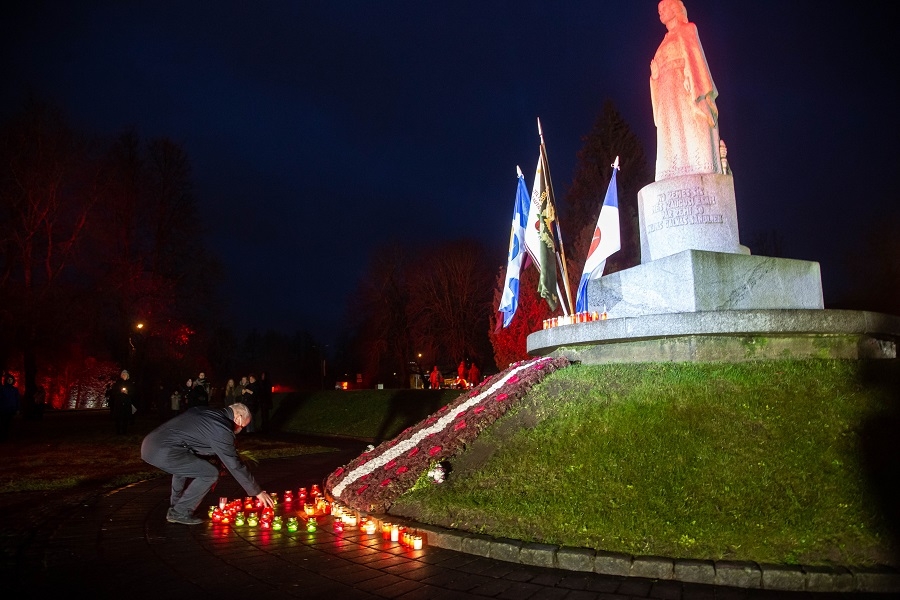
{"points": [[510, 343]]}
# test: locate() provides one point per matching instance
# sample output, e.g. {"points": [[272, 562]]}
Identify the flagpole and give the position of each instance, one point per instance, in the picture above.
{"points": [[560, 260]]}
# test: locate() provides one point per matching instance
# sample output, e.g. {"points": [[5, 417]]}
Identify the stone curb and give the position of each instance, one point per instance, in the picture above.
{"points": [[739, 574]]}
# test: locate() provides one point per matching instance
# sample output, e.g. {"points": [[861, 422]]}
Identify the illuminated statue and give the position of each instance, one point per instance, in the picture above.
{"points": [[684, 99]]}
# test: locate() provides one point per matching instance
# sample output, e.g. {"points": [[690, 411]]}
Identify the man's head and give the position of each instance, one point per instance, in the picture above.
{"points": [[202, 375], [252, 377], [124, 374], [241, 416]]}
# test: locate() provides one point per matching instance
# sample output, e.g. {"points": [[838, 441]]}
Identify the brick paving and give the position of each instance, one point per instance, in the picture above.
{"points": [[119, 545]]}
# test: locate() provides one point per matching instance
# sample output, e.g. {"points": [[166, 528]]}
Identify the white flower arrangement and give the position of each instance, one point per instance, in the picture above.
{"points": [[437, 473]]}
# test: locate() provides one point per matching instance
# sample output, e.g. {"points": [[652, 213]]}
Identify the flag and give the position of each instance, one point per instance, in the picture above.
{"points": [[607, 240], [539, 235], [510, 299], [533, 227]]}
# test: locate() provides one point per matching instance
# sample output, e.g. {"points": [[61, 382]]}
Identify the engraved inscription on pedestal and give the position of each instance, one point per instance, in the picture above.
{"points": [[691, 206], [691, 212]]}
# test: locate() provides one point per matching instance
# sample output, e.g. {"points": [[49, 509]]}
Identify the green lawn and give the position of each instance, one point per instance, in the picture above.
{"points": [[756, 461]]}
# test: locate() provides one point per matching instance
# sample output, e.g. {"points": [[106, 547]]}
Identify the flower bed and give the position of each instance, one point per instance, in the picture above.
{"points": [[372, 481]]}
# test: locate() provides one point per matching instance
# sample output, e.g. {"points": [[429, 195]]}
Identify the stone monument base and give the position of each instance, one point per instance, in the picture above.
{"points": [[724, 336], [688, 212], [698, 280]]}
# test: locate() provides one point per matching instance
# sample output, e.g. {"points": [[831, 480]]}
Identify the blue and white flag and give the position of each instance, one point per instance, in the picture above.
{"points": [[510, 299], [606, 241]]}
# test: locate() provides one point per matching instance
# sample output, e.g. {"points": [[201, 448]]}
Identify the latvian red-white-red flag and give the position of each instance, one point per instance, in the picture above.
{"points": [[607, 240]]}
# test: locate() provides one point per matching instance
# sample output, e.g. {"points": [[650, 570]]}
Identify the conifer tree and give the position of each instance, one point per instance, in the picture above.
{"points": [[609, 137]]}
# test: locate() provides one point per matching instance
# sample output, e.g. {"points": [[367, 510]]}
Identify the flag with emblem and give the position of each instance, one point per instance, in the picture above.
{"points": [[606, 240], [510, 299]]}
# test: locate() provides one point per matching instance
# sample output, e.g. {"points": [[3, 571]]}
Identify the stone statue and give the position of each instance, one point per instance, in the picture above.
{"points": [[684, 99]]}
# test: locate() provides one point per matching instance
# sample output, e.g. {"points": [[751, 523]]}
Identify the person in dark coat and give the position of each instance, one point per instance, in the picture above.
{"points": [[183, 446], [199, 392], [251, 395], [9, 405], [121, 399]]}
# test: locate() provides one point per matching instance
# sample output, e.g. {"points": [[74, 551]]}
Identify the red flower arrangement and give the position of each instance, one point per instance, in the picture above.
{"points": [[438, 437]]}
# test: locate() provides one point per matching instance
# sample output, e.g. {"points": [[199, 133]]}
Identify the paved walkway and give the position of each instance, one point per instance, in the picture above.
{"points": [[119, 545]]}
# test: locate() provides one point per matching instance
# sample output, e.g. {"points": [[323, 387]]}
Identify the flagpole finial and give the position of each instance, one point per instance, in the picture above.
{"points": [[519, 171], [615, 165]]}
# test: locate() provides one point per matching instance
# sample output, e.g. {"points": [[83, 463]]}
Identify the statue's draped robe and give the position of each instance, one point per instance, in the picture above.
{"points": [[684, 110]]}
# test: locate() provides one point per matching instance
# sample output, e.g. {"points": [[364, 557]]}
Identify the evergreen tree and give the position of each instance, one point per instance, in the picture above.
{"points": [[609, 137]]}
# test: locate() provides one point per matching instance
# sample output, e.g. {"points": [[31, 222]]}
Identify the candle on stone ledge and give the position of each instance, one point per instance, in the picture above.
{"points": [[417, 542], [395, 532], [292, 524], [311, 524], [276, 523], [369, 527], [223, 502]]}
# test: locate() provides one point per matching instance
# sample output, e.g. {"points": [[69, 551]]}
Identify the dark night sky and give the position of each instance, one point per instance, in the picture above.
{"points": [[317, 129]]}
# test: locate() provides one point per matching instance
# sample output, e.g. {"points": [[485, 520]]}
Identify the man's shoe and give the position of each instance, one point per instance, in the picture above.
{"points": [[174, 517]]}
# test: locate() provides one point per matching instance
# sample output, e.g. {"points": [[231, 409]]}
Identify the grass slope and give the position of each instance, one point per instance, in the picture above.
{"points": [[767, 461]]}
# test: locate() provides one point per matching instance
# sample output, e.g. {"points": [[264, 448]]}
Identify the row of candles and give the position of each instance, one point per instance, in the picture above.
{"points": [[251, 512], [579, 317]]}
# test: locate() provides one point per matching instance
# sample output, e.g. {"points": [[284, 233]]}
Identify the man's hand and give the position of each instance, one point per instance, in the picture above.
{"points": [[266, 499]]}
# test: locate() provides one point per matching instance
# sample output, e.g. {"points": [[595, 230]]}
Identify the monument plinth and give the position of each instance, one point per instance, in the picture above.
{"points": [[689, 212]]}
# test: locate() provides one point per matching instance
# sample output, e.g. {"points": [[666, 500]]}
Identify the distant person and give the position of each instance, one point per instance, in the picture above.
{"points": [[474, 374], [265, 401], [175, 402], [40, 401], [9, 405], [251, 399], [461, 370], [435, 378], [229, 393], [183, 393], [182, 447], [121, 401], [199, 394]]}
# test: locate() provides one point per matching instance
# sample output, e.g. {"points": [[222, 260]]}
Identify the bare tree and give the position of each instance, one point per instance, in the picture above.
{"points": [[451, 300], [49, 186], [382, 303]]}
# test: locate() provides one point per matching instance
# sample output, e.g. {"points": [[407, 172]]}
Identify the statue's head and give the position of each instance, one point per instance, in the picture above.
{"points": [[672, 10]]}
